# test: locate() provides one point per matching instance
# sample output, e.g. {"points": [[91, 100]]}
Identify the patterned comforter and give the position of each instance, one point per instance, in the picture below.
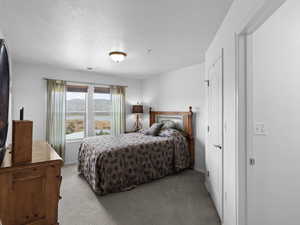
{"points": [[119, 163]]}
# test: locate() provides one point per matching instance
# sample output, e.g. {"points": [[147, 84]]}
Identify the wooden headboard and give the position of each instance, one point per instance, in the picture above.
{"points": [[184, 119]]}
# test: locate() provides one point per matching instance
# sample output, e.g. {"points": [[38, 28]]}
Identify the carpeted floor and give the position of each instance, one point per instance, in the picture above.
{"points": [[175, 200]]}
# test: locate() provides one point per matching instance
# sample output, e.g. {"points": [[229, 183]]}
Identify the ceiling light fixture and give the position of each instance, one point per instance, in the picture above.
{"points": [[117, 56]]}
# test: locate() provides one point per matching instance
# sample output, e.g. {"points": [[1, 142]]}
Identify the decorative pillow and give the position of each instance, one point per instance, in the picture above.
{"points": [[172, 132], [153, 130], [143, 130], [169, 124], [169, 132]]}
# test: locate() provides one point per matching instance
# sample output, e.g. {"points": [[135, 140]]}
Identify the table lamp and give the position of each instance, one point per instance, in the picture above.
{"points": [[137, 109]]}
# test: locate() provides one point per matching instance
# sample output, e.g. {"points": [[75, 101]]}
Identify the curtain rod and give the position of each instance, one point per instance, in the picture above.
{"points": [[79, 82]]}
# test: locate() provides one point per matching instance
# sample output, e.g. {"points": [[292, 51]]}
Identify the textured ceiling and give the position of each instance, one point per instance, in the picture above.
{"points": [[76, 34]]}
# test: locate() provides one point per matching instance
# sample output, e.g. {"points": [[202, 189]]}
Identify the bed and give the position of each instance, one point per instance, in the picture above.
{"points": [[119, 163]]}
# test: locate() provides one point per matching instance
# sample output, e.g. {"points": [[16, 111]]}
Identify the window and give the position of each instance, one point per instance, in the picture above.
{"points": [[88, 111], [102, 111], [75, 112]]}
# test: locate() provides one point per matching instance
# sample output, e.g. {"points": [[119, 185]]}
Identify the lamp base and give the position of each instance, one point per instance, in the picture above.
{"points": [[137, 125]]}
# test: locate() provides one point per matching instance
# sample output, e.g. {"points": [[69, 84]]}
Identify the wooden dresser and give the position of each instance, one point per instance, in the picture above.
{"points": [[29, 193]]}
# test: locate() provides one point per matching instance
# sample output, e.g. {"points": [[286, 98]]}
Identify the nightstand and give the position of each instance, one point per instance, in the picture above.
{"points": [[130, 131]]}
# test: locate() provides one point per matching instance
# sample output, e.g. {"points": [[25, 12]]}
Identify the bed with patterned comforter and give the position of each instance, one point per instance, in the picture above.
{"points": [[119, 163]]}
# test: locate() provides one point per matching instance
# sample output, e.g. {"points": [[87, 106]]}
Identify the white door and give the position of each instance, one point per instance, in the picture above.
{"points": [[214, 152]]}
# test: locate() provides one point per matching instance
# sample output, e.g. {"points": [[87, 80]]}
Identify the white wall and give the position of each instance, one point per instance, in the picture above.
{"points": [[176, 91], [29, 90], [240, 15], [276, 103]]}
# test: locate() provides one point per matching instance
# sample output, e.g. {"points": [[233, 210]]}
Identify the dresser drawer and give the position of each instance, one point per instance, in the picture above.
{"points": [[39, 222], [29, 174]]}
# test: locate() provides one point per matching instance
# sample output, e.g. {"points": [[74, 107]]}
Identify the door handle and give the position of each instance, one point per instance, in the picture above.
{"points": [[218, 146]]}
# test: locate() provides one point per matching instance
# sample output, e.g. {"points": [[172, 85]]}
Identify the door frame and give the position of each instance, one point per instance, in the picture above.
{"points": [[244, 105]]}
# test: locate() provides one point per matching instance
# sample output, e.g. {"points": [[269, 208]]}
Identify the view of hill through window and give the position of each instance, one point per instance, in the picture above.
{"points": [[76, 114], [102, 113]]}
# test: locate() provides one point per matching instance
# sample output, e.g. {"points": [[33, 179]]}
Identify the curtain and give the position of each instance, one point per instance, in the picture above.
{"points": [[55, 131], [118, 110]]}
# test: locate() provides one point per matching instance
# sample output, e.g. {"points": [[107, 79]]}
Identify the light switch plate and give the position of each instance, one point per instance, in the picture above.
{"points": [[260, 129]]}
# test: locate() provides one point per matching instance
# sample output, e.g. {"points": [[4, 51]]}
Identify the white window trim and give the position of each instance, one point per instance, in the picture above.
{"points": [[90, 111]]}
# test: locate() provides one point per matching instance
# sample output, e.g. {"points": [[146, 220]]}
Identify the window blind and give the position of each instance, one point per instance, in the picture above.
{"points": [[77, 88], [105, 90]]}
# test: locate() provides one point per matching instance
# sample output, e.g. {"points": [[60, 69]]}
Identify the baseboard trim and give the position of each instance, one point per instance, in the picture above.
{"points": [[200, 170], [70, 163]]}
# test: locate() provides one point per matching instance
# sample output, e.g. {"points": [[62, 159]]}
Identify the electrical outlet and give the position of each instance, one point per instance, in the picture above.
{"points": [[260, 129]]}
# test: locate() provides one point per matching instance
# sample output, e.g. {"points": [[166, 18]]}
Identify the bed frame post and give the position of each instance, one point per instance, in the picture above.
{"points": [[151, 116], [191, 140]]}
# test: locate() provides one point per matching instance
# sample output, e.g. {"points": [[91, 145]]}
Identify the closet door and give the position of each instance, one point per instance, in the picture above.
{"points": [[214, 152]]}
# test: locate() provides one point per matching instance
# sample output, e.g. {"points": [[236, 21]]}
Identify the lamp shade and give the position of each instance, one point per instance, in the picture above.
{"points": [[137, 109]]}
